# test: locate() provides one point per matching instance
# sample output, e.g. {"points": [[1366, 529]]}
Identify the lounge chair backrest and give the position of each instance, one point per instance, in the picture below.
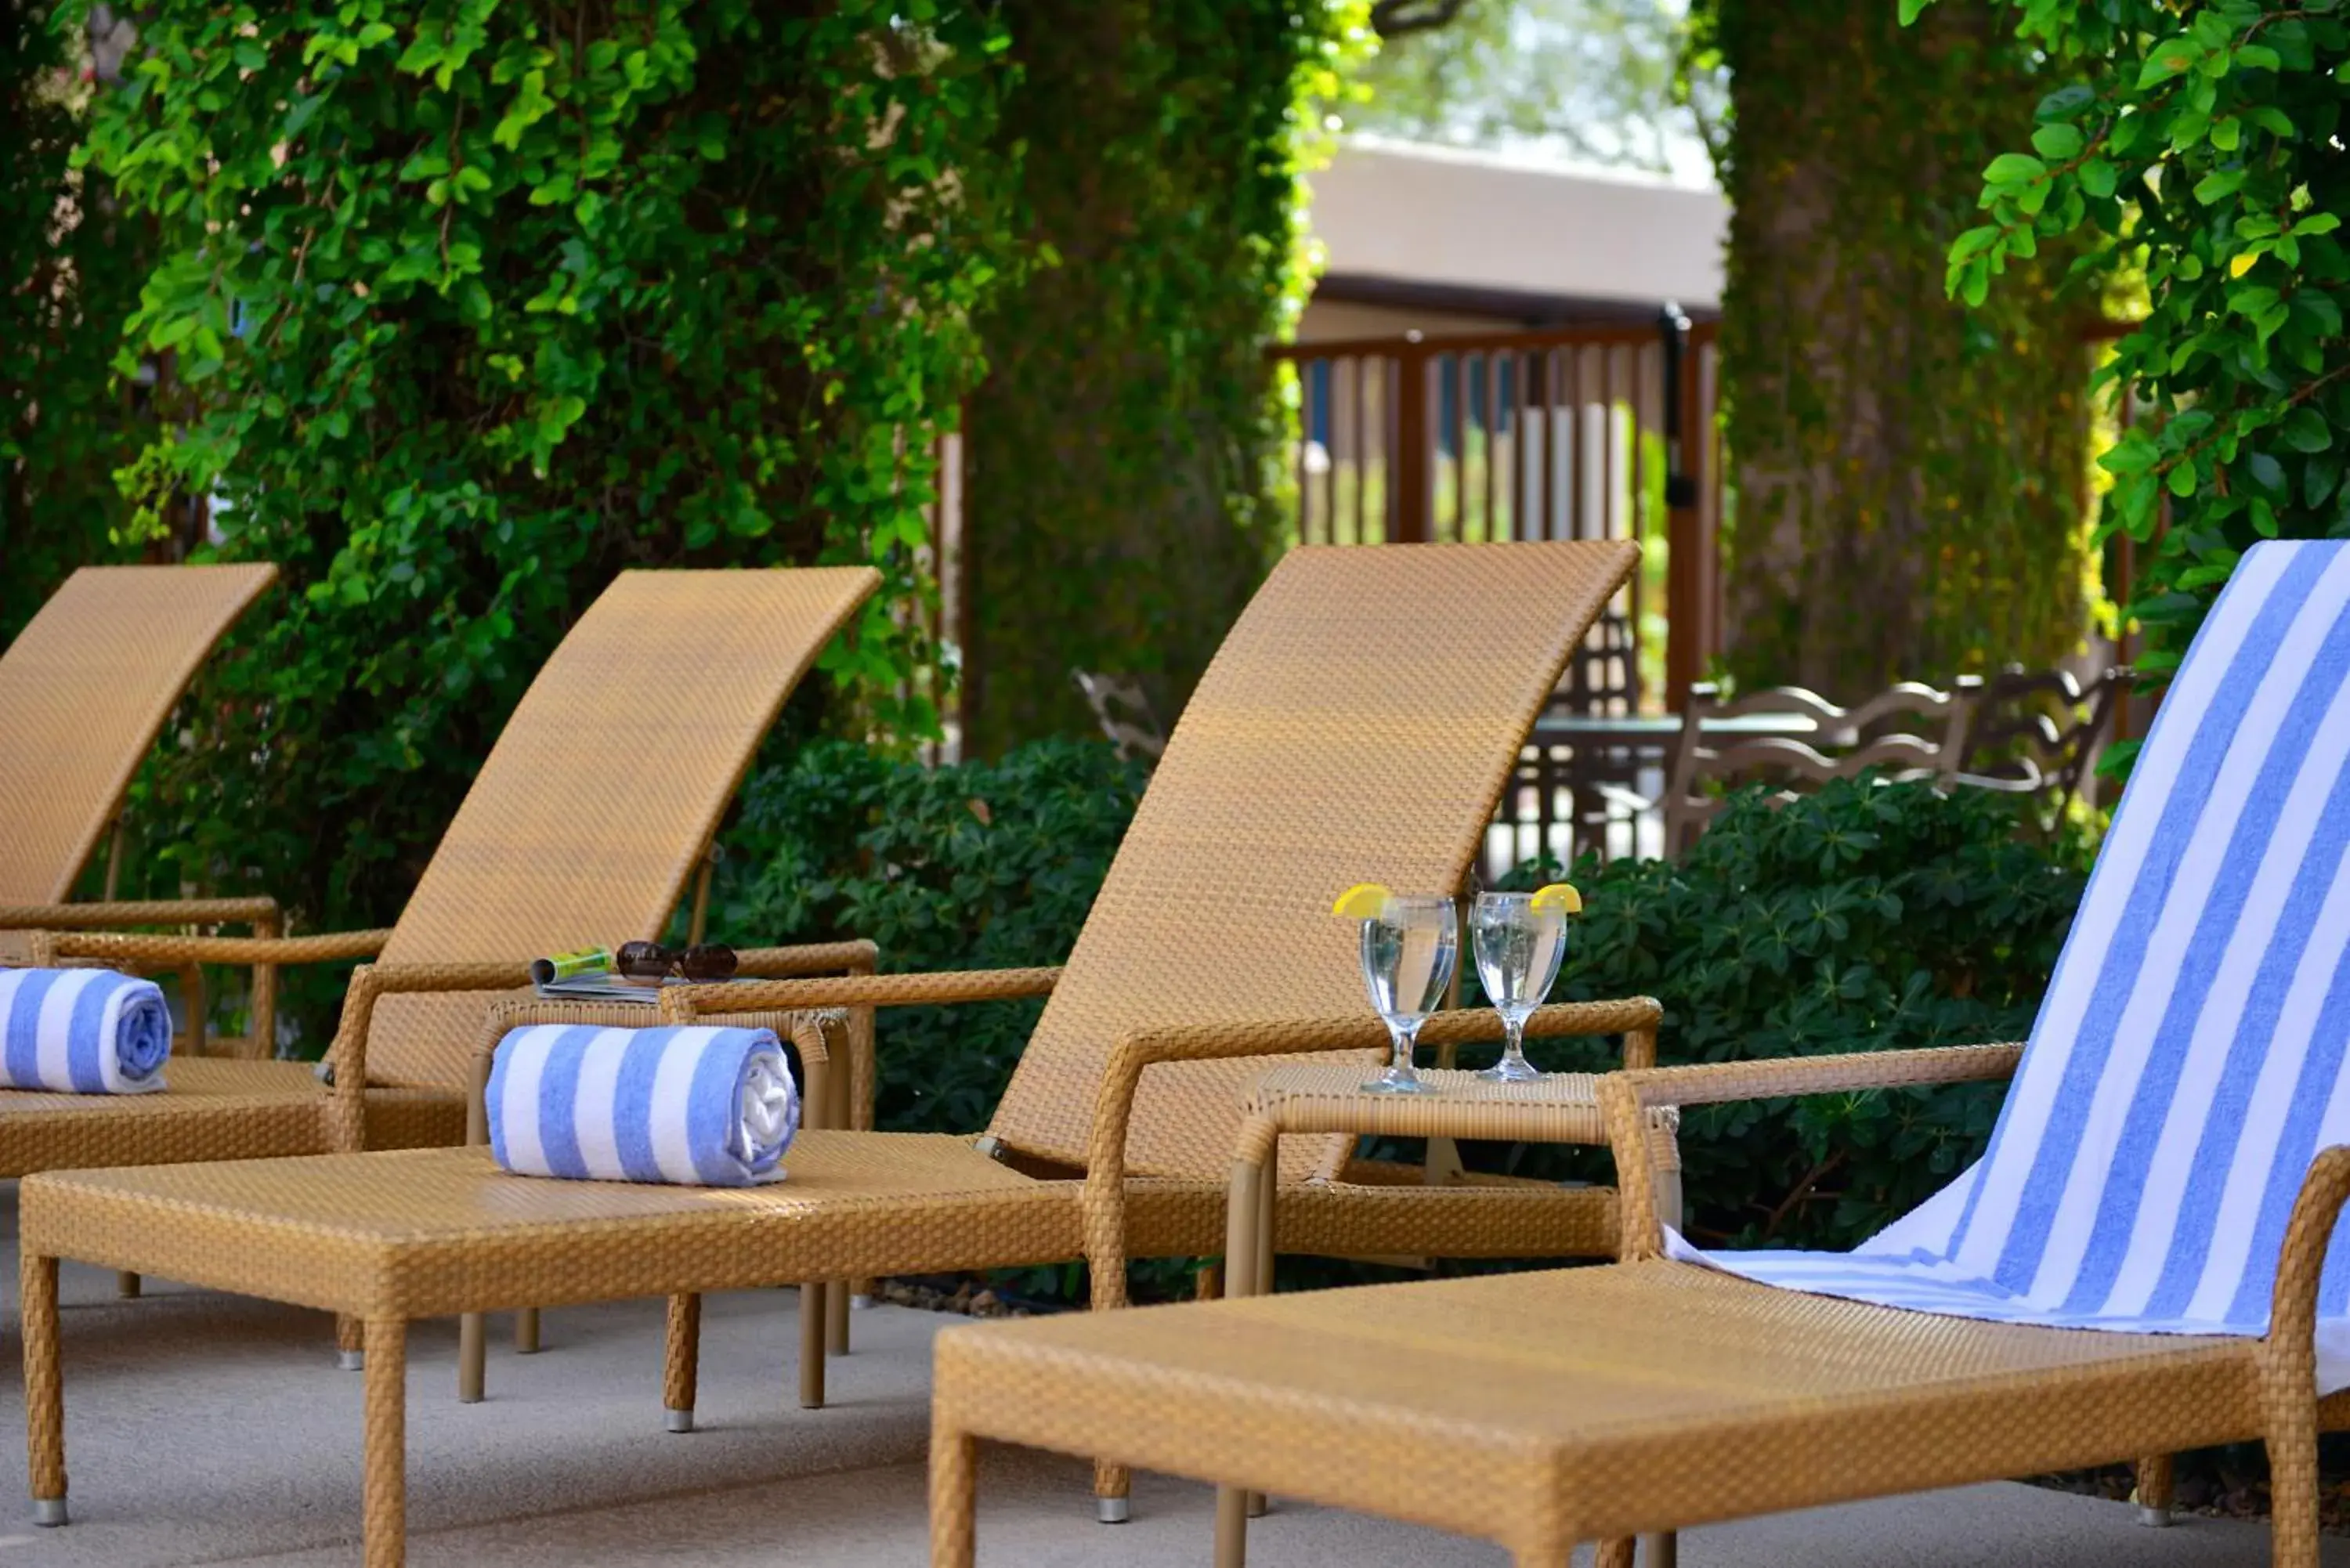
{"points": [[604, 789], [1356, 726], [83, 690], [2188, 1058]]}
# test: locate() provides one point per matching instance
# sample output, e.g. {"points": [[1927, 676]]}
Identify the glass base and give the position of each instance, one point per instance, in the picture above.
{"points": [[1512, 1070], [1393, 1082]]}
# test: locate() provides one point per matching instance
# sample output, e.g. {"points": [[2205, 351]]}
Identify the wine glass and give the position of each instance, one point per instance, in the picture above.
{"points": [[1409, 949], [1519, 943]]}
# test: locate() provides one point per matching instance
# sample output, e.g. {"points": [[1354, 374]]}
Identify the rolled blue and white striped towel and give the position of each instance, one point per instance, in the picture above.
{"points": [[82, 1032], [691, 1107]]}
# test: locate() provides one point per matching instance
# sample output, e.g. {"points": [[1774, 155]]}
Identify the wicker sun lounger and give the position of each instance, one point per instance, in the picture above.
{"points": [[1310, 759], [584, 825], [2142, 1261], [83, 690]]}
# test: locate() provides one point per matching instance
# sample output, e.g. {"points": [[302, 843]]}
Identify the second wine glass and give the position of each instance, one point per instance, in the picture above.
{"points": [[1519, 940]]}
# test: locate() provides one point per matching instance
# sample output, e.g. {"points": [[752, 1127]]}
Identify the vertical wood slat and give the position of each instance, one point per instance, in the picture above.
{"points": [[1409, 456]]}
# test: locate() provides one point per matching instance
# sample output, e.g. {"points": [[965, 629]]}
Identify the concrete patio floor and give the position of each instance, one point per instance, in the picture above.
{"points": [[209, 1429]]}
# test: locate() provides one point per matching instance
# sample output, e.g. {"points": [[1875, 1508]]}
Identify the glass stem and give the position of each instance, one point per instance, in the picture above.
{"points": [[1407, 1037], [1513, 1041]]}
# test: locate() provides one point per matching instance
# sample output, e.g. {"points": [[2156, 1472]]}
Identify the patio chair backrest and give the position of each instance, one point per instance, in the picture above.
{"points": [[603, 791], [1848, 743], [83, 690], [2037, 732], [1356, 726], [2187, 1061]]}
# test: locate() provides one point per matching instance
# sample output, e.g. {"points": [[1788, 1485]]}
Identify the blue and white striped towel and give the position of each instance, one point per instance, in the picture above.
{"points": [[691, 1107], [82, 1032], [2188, 1063]]}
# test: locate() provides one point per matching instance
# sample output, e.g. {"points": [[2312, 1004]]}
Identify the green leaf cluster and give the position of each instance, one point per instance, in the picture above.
{"points": [[2200, 141], [481, 302], [71, 262], [1866, 916], [980, 866]]}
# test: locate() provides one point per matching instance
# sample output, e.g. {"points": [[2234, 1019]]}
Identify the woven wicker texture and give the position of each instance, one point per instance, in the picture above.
{"points": [[1357, 725], [426, 1231], [214, 1109], [1541, 1409], [603, 792], [83, 690]]}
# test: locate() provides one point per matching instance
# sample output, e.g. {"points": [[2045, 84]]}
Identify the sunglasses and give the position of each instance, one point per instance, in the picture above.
{"points": [[651, 961]]}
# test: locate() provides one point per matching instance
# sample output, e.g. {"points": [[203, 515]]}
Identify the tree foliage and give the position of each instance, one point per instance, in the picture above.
{"points": [[1910, 476], [2201, 140], [482, 301], [1125, 450], [1596, 79], [71, 262]]}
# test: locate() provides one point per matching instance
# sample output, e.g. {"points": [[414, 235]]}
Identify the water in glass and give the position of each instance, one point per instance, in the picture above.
{"points": [[1408, 951], [1518, 947]]}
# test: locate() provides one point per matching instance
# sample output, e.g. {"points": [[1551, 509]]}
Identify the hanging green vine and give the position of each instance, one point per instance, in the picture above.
{"points": [[1910, 476], [1125, 473], [2201, 139], [70, 264], [484, 301]]}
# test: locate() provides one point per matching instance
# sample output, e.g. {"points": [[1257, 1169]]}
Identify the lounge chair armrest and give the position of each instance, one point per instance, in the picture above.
{"points": [[808, 958], [1105, 1197], [860, 990], [1626, 1097], [2290, 1354], [146, 948], [259, 912], [347, 1056]]}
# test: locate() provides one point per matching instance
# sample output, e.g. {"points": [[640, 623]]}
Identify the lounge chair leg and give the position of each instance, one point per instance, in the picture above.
{"points": [[1615, 1554], [953, 1533], [1209, 1284], [1231, 1527], [350, 1342], [125, 1284], [2154, 1491], [472, 1357], [526, 1332], [1660, 1551], [681, 1362], [45, 1393], [2292, 1439], [835, 1317], [387, 1442], [1112, 1484], [812, 1346]]}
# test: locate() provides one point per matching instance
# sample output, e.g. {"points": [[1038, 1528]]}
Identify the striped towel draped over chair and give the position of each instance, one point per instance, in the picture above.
{"points": [[82, 1032], [688, 1105], [2188, 1063]]}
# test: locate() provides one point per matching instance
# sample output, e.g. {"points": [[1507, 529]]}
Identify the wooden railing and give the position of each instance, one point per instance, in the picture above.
{"points": [[1568, 433]]}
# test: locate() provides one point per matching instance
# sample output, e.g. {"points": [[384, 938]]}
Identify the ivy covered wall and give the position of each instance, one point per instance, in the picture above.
{"points": [[1910, 473], [479, 301], [71, 262], [1125, 449]]}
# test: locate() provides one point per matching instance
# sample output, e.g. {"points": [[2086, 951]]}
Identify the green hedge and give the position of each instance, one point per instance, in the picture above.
{"points": [[982, 866], [1862, 918]]}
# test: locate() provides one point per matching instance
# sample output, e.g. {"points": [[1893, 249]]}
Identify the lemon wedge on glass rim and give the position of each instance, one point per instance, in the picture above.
{"points": [[1560, 896], [1363, 901]]}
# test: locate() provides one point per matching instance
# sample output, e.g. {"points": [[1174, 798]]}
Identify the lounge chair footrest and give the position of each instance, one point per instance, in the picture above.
{"points": [[673, 1420], [48, 1511]]}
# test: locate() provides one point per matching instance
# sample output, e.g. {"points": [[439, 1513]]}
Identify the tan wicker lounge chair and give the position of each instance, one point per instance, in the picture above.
{"points": [[2138, 1263], [584, 825], [83, 690], [1311, 757]]}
